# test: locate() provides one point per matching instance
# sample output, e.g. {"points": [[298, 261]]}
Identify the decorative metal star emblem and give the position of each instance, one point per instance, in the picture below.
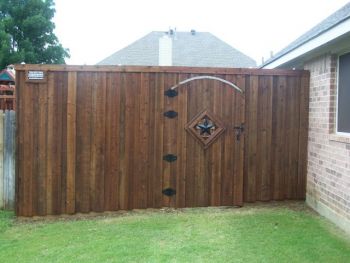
{"points": [[205, 127]]}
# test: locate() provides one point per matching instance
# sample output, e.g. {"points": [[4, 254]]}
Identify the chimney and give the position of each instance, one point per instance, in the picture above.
{"points": [[165, 51]]}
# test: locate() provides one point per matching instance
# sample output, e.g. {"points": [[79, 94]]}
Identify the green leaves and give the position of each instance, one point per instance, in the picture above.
{"points": [[26, 33]]}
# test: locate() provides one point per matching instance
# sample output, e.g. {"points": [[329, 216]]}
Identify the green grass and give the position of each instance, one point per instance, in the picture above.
{"points": [[251, 234]]}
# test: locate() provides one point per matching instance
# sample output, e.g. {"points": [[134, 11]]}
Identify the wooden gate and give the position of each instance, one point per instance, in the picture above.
{"points": [[199, 132], [93, 138]]}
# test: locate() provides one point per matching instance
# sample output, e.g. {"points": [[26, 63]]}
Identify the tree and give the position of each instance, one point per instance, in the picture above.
{"points": [[26, 33]]}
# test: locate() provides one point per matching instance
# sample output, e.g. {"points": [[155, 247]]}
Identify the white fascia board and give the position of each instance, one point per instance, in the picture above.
{"points": [[312, 44]]}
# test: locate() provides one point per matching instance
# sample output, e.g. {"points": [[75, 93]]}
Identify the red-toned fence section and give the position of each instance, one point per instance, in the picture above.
{"points": [[7, 97], [116, 138]]}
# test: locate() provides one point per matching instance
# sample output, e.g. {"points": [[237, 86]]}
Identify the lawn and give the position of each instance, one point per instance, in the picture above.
{"points": [[265, 233]]}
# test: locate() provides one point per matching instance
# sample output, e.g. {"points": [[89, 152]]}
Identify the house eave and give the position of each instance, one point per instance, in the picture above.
{"points": [[333, 33]]}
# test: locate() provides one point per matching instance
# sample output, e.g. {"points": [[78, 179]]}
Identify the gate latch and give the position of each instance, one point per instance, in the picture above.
{"points": [[239, 130]]}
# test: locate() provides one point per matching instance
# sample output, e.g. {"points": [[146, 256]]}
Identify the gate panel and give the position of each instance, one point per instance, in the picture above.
{"points": [[207, 173]]}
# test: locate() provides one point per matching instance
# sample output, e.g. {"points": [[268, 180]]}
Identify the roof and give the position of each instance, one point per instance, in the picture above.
{"points": [[201, 49], [330, 22], [7, 76]]}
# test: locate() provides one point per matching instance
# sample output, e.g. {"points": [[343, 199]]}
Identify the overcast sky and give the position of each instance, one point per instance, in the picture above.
{"points": [[93, 30]]}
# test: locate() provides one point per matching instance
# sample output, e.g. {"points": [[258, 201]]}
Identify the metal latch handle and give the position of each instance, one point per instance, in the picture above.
{"points": [[239, 130]]}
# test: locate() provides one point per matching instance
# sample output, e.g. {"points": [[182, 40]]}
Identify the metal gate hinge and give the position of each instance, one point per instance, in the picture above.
{"points": [[169, 192], [170, 93], [170, 114], [170, 158]]}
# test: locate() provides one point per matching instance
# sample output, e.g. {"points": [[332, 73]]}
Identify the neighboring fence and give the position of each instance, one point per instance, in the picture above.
{"points": [[7, 159], [109, 138], [7, 97]]}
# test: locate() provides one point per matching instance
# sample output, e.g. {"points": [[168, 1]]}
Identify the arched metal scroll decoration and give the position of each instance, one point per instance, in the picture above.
{"points": [[207, 77]]}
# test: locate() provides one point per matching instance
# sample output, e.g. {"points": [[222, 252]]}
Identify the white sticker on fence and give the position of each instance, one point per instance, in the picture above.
{"points": [[35, 75]]}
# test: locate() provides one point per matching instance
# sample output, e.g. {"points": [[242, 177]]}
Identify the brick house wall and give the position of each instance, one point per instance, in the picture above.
{"points": [[328, 180]]}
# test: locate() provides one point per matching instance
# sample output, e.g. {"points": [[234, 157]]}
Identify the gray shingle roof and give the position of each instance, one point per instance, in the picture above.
{"points": [[331, 21], [199, 50]]}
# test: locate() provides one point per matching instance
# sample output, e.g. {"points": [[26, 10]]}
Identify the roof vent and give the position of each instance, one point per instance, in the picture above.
{"points": [[193, 32]]}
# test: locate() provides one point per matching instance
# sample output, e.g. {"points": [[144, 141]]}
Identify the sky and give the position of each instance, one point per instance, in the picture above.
{"points": [[93, 30]]}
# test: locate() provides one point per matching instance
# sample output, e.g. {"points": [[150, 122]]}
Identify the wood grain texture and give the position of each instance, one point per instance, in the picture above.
{"points": [[71, 145], [99, 137]]}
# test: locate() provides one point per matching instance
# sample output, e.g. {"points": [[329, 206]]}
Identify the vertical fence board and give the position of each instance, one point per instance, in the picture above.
{"points": [[239, 149], [130, 116], [152, 173], [303, 136], [264, 138], [112, 131], [9, 160], [60, 82], [227, 183], [19, 188], [181, 146], [2, 188], [13, 160], [251, 143], [134, 120], [122, 204], [158, 142], [144, 135], [191, 149], [63, 139], [83, 142], [172, 139], [216, 180], [27, 160], [49, 153], [41, 152], [35, 152], [97, 171], [71, 145]]}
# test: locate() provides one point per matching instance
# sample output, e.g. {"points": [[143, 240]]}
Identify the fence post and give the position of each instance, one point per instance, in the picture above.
{"points": [[9, 160], [2, 160]]}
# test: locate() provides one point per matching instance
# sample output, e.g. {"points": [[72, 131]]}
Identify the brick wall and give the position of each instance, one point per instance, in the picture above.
{"points": [[328, 180]]}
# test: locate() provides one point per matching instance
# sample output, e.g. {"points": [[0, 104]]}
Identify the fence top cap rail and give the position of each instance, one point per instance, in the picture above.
{"points": [[157, 69]]}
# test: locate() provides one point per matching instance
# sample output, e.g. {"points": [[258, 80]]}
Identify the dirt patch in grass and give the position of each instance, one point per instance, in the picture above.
{"points": [[247, 208]]}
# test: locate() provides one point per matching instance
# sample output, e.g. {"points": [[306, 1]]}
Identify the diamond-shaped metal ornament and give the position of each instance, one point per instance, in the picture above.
{"points": [[205, 127]]}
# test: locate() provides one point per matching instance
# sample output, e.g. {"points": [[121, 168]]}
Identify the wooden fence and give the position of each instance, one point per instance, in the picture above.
{"points": [[7, 159], [95, 138], [7, 97]]}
